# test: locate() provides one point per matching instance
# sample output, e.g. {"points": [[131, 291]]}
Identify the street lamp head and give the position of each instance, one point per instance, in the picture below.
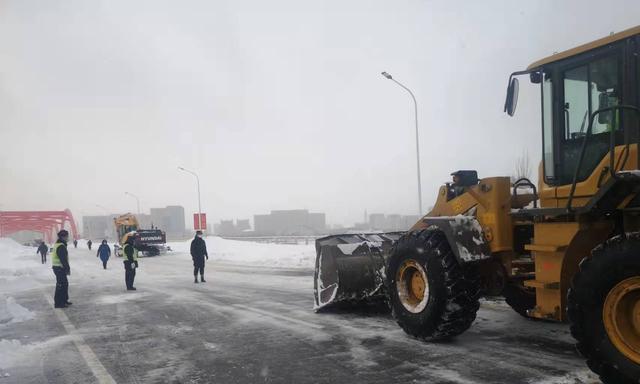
{"points": [[388, 76], [180, 168]]}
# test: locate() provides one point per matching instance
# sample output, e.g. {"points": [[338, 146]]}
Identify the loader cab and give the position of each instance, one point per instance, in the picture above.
{"points": [[582, 92], [571, 92]]}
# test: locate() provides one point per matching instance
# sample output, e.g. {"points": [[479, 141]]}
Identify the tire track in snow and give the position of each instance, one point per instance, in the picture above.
{"points": [[278, 317]]}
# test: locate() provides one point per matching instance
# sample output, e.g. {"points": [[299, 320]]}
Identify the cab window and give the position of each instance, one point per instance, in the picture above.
{"points": [[583, 88]]}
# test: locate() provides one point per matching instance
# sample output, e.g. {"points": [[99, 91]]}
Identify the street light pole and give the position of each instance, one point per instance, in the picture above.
{"points": [[135, 197], [415, 110], [198, 185]]}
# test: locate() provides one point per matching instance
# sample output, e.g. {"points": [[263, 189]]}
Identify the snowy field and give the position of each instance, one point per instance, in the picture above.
{"points": [[258, 254], [252, 322]]}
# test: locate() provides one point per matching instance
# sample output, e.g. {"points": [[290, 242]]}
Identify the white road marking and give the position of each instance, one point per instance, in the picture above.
{"points": [[96, 367], [279, 317]]}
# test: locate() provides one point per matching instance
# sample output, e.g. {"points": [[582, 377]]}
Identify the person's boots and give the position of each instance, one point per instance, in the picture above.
{"points": [[195, 279], [202, 280]]}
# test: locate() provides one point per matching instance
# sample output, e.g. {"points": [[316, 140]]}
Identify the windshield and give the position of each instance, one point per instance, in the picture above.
{"points": [[583, 89]]}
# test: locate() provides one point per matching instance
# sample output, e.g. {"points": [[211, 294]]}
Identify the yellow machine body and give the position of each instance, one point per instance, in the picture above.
{"points": [[566, 249], [125, 225]]}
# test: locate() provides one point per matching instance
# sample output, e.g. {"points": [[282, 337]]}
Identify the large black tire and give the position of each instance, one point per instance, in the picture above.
{"points": [[609, 263], [519, 298], [453, 289]]}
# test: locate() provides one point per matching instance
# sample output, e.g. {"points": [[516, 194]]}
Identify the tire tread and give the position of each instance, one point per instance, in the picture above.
{"points": [[462, 288]]}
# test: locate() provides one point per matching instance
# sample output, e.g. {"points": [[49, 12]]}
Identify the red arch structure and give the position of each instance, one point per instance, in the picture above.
{"points": [[46, 222]]}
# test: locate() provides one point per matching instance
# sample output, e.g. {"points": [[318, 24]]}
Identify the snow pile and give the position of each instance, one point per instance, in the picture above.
{"points": [[262, 254], [14, 353], [12, 312], [16, 259], [17, 264]]}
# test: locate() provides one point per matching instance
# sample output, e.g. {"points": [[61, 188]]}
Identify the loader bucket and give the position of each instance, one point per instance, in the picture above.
{"points": [[351, 267]]}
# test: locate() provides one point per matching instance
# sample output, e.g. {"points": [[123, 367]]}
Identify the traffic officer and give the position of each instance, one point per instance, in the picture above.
{"points": [[130, 254], [60, 265], [198, 253]]}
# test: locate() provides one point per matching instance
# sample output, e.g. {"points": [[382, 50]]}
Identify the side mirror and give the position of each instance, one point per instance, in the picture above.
{"points": [[512, 97], [604, 101]]}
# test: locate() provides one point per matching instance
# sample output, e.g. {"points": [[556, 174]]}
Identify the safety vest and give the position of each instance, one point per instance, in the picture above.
{"points": [[135, 252], [55, 259]]}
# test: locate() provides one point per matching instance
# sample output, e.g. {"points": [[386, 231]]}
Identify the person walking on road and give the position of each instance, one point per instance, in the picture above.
{"points": [[198, 254], [42, 250], [60, 266], [75, 243], [89, 244], [104, 252], [130, 254]]}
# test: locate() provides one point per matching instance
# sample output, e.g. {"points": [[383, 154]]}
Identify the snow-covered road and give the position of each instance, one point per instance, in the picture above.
{"points": [[247, 324]]}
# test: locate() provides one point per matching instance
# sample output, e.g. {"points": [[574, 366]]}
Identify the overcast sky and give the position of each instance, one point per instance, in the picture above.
{"points": [[276, 104]]}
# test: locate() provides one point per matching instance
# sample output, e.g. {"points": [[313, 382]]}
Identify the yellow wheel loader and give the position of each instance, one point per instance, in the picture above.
{"points": [[566, 250]]}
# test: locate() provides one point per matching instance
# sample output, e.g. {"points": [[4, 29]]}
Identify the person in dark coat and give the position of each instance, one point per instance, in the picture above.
{"points": [[198, 254], [61, 268], [42, 250], [75, 243], [104, 252], [89, 244]]}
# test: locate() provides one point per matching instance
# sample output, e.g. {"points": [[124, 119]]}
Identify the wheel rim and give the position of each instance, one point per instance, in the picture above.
{"points": [[412, 286], [621, 314]]}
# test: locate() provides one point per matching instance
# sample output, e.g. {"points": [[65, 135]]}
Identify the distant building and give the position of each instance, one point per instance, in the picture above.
{"points": [[243, 225], [290, 222], [226, 228], [99, 227], [388, 223], [169, 219], [229, 228], [377, 221]]}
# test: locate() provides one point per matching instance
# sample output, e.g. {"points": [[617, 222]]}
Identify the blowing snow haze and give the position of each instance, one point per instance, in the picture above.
{"points": [[277, 105]]}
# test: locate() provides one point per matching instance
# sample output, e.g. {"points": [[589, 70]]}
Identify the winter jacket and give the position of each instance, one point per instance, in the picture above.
{"points": [[42, 248], [104, 252], [198, 248], [130, 254], [62, 254]]}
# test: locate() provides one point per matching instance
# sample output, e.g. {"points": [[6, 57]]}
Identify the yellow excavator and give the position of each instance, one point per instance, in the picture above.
{"points": [[567, 249], [150, 242]]}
